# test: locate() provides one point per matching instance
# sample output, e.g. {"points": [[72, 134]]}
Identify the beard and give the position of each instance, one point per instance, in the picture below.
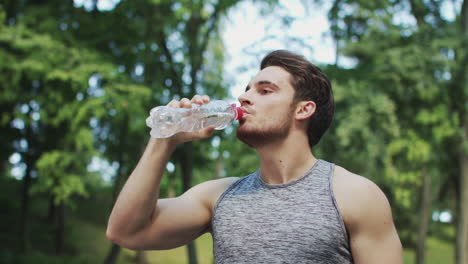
{"points": [[262, 134]]}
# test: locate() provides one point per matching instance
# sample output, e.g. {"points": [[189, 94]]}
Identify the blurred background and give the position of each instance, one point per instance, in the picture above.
{"points": [[78, 78]]}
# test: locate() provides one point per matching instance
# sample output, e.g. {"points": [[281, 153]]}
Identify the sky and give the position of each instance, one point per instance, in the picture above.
{"points": [[243, 31], [244, 28], [248, 36]]}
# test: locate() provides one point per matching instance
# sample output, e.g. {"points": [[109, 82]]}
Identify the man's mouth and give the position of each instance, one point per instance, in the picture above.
{"points": [[245, 111]]}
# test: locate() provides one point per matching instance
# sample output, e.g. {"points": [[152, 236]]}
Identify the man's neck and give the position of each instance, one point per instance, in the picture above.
{"points": [[284, 161]]}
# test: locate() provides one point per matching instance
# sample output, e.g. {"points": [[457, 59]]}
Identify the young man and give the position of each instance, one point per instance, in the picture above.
{"points": [[294, 209]]}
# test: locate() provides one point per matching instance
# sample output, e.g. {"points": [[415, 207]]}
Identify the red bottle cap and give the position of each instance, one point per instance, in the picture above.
{"points": [[239, 111]]}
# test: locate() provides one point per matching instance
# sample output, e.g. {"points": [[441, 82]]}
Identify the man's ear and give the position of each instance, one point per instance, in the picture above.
{"points": [[305, 109]]}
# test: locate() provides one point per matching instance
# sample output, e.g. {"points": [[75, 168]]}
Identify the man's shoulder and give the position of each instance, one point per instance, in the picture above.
{"points": [[223, 183], [211, 190], [357, 196], [216, 185], [351, 182]]}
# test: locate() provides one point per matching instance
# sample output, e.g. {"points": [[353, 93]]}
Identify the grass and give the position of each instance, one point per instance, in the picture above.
{"points": [[91, 246], [90, 239], [437, 252], [88, 244], [179, 255]]}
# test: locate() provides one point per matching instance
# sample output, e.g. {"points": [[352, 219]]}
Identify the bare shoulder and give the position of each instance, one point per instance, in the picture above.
{"points": [[368, 218], [353, 184], [359, 199], [210, 191]]}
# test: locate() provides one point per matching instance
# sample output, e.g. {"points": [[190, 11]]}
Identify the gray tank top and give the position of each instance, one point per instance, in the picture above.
{"points": [[295, 222]]}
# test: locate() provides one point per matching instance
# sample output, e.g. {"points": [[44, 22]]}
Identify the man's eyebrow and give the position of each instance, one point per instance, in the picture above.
{"points": [[263, 82]]}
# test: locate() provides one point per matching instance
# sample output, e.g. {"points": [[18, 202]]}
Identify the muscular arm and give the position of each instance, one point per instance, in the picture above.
{"points": [[368, 218], [135, 206], [139, 220]]}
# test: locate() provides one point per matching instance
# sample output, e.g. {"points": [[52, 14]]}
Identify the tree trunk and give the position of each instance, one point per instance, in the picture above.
{"points": [[187, 172], [462, 228], [60, 229], [12, 8], [219, 167], [425, 218], [52, 210], [171, 187], [25, 202], [113, 254], [114, 250], [192, 253], [140, 257]]}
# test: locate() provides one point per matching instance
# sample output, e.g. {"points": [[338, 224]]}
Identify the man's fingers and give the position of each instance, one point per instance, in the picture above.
{"points": [[197, 135], [206, 99], [184, 102], [174, 103], [197, 99], [200, 99], [203, 133], [207, 132]]}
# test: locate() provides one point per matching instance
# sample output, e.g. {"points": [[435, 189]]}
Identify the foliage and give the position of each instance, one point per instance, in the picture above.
{"points": [[75, 89], [76, 85], [408, 57]]}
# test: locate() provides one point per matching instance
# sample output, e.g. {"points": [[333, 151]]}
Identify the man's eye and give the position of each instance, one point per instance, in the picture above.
{"points": [[266, 91]]}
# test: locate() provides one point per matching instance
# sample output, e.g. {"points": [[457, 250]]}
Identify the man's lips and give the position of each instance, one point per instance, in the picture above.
{"points": [[245, 111]]}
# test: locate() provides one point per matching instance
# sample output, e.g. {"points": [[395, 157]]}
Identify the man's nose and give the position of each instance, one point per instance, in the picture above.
{"points": [[244, 99]]}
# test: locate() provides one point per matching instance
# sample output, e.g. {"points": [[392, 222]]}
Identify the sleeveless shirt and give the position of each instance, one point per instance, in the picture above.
{"points": [[295, 222]]}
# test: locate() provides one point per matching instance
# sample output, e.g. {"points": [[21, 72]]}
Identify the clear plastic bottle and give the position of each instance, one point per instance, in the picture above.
{"points": [[166, 121]]}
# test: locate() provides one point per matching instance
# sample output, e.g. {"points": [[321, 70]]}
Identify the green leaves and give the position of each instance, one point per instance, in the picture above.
{"points": [[60, 176], [410, 94]]}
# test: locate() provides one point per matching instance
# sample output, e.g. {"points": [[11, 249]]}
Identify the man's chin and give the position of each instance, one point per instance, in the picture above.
{"points": [[245, 136], [255, 138]]}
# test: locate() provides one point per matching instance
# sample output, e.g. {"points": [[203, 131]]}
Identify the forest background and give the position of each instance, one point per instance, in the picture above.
{"points": [[77, 82]]}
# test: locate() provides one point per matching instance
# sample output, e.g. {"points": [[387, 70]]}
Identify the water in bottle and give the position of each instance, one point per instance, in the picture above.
{"points": [[166, 121]]}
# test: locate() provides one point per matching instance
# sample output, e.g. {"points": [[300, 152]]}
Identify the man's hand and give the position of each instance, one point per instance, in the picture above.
{"points": [[196, 135], [140, 220]]}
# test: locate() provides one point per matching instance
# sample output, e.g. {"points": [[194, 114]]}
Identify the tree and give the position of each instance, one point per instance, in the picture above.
{"points": [[177, 46], [48, 95], [77, 83], [419, 66]]}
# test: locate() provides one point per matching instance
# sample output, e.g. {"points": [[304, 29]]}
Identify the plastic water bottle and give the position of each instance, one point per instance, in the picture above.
{"points": [[166, 121]]}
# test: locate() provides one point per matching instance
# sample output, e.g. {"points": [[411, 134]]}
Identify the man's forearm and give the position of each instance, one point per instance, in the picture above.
{"points": [[137, 200]]}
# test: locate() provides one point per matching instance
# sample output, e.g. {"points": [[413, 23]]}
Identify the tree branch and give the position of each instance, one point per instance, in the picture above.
{"points": [[197, 55], [211, 27], [464, 17], [436, 11], [178, 84], [419, 11]]}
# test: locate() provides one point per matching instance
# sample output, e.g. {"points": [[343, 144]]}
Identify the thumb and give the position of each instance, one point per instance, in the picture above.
{"points": [[196, 135], [204, 133]]}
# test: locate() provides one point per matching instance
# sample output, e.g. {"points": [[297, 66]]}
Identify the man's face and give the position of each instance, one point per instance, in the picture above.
{"points": [[268, 109]]}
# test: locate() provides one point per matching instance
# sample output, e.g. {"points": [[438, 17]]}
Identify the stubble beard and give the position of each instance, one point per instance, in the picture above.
{"points": [[260, 136]]}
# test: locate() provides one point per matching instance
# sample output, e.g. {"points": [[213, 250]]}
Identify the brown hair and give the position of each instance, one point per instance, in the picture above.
{"points": [[310, 84]]}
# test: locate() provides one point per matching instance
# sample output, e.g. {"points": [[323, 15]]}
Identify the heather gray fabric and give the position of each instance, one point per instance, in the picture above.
{"points": [[297, 222]]}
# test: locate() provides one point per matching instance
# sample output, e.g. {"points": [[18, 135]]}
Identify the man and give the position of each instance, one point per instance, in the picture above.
{"points": [[294, 209]]}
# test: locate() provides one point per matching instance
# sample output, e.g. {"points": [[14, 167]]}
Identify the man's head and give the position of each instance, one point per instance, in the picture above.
{"points": [[268, 110], [310, 84]]}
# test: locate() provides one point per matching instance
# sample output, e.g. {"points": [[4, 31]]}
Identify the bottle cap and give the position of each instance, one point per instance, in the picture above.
{"points": [[239, 111]]}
